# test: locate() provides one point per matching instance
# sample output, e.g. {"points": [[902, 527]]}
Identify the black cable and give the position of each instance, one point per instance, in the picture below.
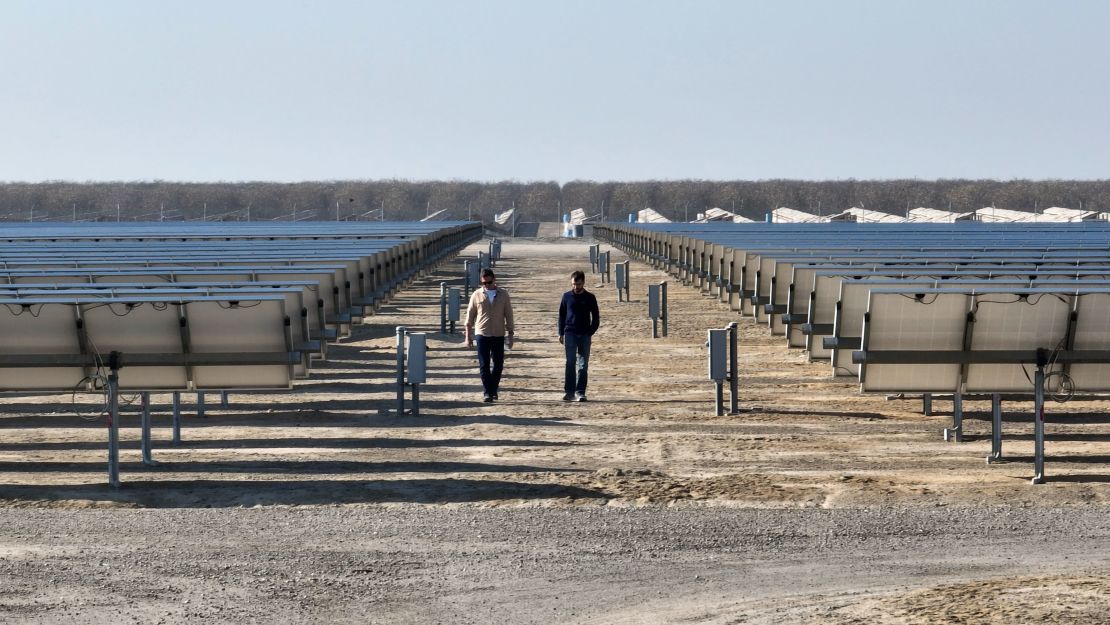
{"points": [[24, 308], [229, 306], [73, 398]]}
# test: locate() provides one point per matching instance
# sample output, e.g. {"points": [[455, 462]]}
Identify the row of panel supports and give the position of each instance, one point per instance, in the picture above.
{"points": [[955, 433], [693, 274], [145, 425]]}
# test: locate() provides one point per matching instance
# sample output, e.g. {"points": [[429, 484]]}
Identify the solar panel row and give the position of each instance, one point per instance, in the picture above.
{"points": [[174, 307], [896, 304]]}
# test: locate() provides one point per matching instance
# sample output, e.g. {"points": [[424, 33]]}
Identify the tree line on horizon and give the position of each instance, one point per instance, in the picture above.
{"points": [[403, 200]]}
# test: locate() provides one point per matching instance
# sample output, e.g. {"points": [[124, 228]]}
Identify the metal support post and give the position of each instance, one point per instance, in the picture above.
{"points": [[720, 400], [415, 399], [654, 308], [400, 370], [624, 282], [200, 405], [734, 369], [148, 458], [719, 281], [224, 400], [443, 308], [454, 305], [663, 305], [927, 404], [177, 418], [996, 428], [1038, 425], [113, 420], [956, 432], [467, 271]]}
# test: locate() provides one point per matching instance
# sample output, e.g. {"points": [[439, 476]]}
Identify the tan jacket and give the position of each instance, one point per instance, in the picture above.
{"points": [[487, 319]]}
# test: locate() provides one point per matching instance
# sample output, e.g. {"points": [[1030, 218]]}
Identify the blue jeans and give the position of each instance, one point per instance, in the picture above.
{"points": [[578, 362], [491, 361]]}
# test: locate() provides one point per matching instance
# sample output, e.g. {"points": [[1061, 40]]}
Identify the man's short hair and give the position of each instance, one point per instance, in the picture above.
{"points": [[488, 273], [577, 275]]}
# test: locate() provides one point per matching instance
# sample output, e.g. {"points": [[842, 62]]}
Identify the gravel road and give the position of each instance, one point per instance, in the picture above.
{"points": [[591, 564]]}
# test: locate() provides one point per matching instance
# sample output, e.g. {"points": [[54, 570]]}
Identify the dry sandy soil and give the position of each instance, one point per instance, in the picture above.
{"points": [[815, 504]]}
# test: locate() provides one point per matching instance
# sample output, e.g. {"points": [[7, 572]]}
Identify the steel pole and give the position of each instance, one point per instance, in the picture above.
{"points": [[113, 421], [734, 368], [663, 305], [996, 428], [1038, 426], [148, 458], [176, 418], [400, 370], [443, 308], [956, 432]]}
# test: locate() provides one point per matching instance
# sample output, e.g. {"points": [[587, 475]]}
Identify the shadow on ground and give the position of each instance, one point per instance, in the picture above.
{"points": [[247, 493]]}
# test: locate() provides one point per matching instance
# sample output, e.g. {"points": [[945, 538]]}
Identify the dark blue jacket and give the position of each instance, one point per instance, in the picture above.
{"points": [[578, 313]]}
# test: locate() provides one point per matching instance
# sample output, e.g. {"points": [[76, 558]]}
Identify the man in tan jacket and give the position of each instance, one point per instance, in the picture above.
{"points": [[489, 322]]}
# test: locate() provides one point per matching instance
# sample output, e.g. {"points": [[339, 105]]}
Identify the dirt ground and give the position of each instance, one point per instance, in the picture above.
{"points": [[807, 449]]}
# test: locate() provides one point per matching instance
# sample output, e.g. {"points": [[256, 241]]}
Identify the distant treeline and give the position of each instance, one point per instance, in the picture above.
{"points": [[403, 200]]}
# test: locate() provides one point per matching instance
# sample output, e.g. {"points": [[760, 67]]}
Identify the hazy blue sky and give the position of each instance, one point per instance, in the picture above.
{"points": [[595, 90]]}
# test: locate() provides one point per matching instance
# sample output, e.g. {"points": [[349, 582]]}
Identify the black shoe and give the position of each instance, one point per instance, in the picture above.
{"points": [[494, 396], [487, 398], [581, 397], [568, 397]]}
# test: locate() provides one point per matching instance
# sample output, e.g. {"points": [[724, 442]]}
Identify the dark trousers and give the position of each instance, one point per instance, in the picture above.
{"points": [[491, 361], [578, 362]]}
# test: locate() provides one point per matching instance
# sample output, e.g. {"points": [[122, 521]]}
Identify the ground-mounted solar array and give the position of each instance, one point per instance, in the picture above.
{"points": [[175, 307], [956, 309]]}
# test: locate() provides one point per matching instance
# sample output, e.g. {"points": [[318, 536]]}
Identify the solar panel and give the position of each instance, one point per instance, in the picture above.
{"points": [[44, 330], [1003, 330], [903, 322], [138, 327], [323, 326], [1003, 321], [293, 296], [1091, 333], [169, 343], [252, 328]]}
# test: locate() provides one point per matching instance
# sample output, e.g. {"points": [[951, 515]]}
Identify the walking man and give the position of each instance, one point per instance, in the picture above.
{"points": [[489, 322], [578, 320]]}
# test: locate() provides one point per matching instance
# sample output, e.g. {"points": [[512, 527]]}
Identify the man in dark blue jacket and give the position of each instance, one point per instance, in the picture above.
{"points": [[578, 320]]}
